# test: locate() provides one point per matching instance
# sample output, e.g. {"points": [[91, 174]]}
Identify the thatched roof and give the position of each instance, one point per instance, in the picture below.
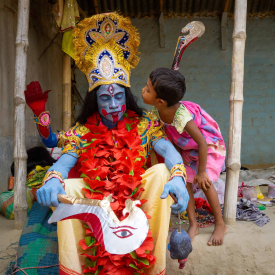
{"points": [[175, 8]]}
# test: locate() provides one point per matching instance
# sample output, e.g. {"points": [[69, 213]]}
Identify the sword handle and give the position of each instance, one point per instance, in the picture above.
{"points": [[66, 199]]}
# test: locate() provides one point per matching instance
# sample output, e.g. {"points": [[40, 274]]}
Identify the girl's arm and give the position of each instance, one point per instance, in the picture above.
{"points": [[179, 150], [201, 178]]}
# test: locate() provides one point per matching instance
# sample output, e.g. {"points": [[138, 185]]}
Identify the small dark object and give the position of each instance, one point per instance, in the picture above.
{"points": [[180, 242], [180, 245]]}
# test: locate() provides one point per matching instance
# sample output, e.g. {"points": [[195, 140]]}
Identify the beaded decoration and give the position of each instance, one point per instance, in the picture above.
{"points": [[71, 141], [43, 119], [149, 132], [53, 174], [179, 171], [178, 166], [179, 174], [106, 49]]}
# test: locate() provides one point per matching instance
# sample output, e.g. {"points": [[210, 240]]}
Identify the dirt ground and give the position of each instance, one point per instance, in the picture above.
{"points": [[8, 236], [247, 249]]}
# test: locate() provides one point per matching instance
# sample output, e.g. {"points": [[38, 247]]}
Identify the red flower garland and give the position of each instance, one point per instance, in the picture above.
{"points": [[113, 165]]}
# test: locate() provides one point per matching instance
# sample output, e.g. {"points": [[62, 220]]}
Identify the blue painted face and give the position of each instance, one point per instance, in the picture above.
{"points": [[111, 101]]}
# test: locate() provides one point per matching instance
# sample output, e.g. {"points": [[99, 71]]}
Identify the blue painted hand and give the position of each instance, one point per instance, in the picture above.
{"points": [[177, 187], [47, 194]]}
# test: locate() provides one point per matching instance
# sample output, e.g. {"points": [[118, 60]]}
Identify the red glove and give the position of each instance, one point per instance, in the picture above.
{"points": [[35, 97], [36, 100]]}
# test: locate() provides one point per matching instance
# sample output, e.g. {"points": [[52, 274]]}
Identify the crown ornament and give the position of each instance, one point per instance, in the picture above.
{"points": [[106, 47]]}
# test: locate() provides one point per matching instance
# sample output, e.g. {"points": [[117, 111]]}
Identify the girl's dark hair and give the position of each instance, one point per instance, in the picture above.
{"points": [[90, 104], [37, 156], [168, 84]]}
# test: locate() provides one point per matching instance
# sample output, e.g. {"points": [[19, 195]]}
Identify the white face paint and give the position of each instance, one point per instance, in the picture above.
{"points": [[118, 237]]}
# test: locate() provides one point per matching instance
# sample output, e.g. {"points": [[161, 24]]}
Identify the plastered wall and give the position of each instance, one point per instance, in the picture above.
{"points": [[207, 70], [47, 70]]}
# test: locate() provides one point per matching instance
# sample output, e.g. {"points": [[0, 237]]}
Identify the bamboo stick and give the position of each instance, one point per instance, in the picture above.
{"points": [[66, 93], [236, 104], [226, 6], [19, 154], [161, 6], [96, 7]]}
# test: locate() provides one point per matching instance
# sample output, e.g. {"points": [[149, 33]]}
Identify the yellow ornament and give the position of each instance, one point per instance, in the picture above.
{"points": [[106, 47]]}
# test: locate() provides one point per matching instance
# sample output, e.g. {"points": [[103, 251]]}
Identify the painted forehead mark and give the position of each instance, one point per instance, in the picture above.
{"points": [[111, 89]]}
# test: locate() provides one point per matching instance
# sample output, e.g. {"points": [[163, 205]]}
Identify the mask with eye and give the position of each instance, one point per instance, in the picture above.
{"points": [[115, 236], [111, 101]]}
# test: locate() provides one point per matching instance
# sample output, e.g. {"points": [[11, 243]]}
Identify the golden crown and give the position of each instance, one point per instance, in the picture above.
{"points": [[106, 48]]}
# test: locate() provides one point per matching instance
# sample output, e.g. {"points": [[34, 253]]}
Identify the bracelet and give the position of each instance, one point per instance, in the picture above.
{"points": [[179, 174], [179, 166], [179, 171], [53, 174], [43, 119]]}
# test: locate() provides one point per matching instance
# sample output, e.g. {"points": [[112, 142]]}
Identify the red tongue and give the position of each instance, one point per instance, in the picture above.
{"points": [[115, 118]]}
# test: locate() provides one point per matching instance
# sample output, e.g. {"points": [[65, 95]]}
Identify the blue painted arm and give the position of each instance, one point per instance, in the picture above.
{"points": [[166, 149], [177, 185], [51, 141], [47, 194]]}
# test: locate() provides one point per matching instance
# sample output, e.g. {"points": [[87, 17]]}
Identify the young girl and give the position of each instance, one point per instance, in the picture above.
{"points": [[197, 135]]}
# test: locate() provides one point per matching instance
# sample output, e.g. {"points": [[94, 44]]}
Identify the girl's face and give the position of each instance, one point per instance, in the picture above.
{"points": [[149, 95], [111, 101]]}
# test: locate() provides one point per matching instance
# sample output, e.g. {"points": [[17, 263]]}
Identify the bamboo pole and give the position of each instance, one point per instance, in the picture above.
{"points": [[161, 6], [96, 7], [66, 93], [19, 153], [226, 6], [236, 104]]}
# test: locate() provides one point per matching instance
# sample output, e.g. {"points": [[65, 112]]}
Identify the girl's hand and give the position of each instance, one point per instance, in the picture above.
{"points": [[203, 181]]}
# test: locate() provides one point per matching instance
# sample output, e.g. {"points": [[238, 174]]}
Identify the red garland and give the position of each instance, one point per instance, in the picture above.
{"points": [[113, 165]]}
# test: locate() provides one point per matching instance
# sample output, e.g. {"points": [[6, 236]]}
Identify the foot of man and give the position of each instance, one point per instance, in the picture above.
{"points": [[217, 237]]}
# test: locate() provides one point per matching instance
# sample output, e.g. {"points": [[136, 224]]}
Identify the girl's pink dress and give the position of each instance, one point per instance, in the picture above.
{"points": [[189, 148]]}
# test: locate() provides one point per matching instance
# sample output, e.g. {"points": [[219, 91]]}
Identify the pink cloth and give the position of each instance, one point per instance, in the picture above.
{"points": [[189, 148]]}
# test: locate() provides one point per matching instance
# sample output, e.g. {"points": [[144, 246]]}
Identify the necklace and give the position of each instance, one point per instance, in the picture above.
{"points": [[113, 164]]}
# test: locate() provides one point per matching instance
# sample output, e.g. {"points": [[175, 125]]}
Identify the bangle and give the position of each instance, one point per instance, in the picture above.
{"points": [[179, 171], [179, 174], [53, 174], [179, 166], [43, 119]]}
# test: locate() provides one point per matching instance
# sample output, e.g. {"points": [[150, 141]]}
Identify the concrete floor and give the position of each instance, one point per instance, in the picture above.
{"points": [[247, 249]]}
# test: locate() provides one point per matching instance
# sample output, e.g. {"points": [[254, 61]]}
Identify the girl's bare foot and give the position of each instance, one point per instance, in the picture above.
{"points": [[192, 231], [216, 238]]}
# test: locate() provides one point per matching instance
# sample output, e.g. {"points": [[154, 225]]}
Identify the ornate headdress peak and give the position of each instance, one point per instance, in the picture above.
{"points": [[106, 49]]}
